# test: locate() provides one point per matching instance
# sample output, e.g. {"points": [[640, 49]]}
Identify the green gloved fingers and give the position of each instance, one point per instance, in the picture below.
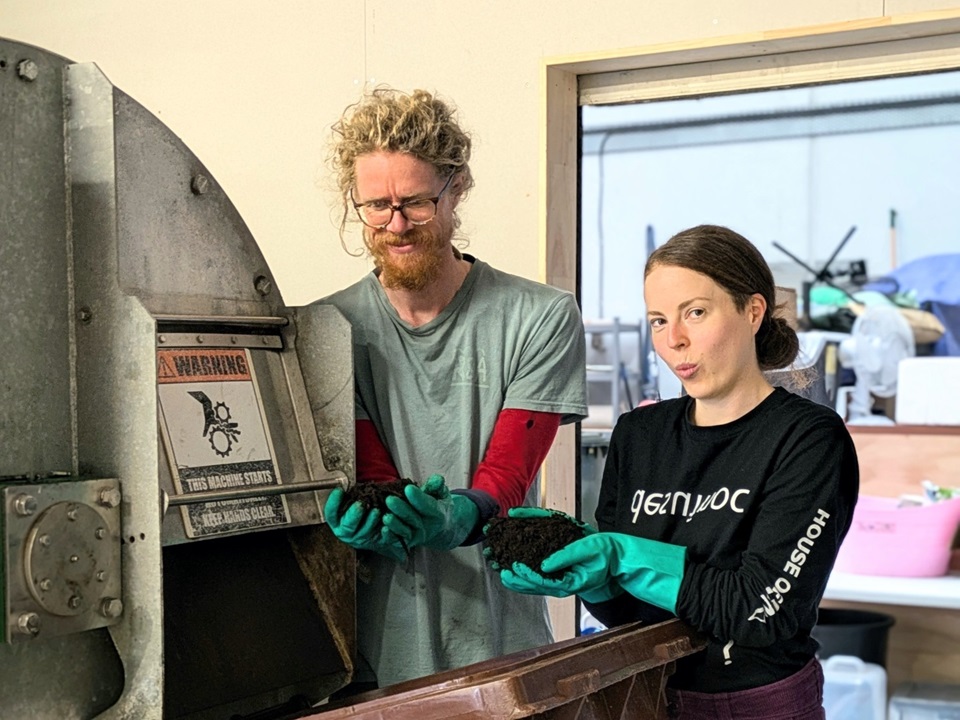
{"points": [[354, 524], [431, 516], [404, 522], [523, 579], [331, 508], [523, 511], [487, 552], [596, 566], [390, 546], [436, 486], [360, 529]]}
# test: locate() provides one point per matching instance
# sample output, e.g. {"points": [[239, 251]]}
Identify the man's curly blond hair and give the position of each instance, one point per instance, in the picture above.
{"points": [[388, 120]]}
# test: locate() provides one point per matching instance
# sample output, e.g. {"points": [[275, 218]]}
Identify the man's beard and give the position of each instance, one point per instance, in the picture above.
{"points": [[411, 272]]}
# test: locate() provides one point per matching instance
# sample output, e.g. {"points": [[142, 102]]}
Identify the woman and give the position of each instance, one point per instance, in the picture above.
{"points": [[725, 507]]}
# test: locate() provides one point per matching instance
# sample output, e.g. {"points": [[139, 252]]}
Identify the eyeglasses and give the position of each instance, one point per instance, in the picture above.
{"points": [[377, 214]]}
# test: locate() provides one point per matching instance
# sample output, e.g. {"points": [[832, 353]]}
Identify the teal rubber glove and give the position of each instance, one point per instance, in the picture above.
{"points": [[603, 565], [360, 529], [431, 516]]}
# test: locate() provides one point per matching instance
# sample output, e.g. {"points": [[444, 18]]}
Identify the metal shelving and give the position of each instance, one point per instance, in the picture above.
{"points": [[625, 380]]}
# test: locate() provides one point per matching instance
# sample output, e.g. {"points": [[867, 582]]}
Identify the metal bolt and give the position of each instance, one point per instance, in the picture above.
{"points": [[28, 623], [199, 184], [72, 513], [111, 607], [233, 339], [74, 602], [110, 497], [44, 540], [74, 558], [100, 533], [27, 70], [45, 584], [101, 575], [162, 339], [262, 284], [200, 339], [25, 505], [84, 315], [265, 340]]}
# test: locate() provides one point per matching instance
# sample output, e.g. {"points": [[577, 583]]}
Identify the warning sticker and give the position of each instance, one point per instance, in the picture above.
{"points": [[217, 438], [190, 365]]}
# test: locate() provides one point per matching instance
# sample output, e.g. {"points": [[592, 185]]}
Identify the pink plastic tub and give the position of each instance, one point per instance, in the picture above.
{"points": [[899, 541]]}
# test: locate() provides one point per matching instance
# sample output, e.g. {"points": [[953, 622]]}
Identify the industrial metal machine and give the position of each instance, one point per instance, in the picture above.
{"points": [[169, 431], [163, 466]]}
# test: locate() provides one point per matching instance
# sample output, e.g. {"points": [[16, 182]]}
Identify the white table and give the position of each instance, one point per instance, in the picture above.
{"points": [[936, 592]]}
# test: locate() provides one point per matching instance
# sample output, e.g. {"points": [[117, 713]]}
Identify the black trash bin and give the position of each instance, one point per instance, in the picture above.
{"points": [[859, 633]]}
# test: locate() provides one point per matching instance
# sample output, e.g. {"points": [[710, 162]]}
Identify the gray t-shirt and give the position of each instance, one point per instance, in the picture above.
{"points": [[434, 394]]}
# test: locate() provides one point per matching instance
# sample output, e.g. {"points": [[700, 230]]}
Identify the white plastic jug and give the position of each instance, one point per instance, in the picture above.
{"points": [[854, 689]]}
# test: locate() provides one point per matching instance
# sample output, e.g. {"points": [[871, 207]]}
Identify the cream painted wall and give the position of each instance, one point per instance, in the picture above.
{"points": [[252, 91]]}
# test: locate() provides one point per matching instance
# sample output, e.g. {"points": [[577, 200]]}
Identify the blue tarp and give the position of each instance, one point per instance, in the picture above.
{"points": [[934, 281], [935, 278]]}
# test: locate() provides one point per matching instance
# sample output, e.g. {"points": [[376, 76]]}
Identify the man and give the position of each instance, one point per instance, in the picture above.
{"points": [[463, 375]]}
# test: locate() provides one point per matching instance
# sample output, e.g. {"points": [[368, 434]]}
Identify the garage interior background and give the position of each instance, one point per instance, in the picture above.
{"points": [[252, 92]]}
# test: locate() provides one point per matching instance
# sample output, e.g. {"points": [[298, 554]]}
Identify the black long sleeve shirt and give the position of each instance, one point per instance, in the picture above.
{"points": [[761, 504]]}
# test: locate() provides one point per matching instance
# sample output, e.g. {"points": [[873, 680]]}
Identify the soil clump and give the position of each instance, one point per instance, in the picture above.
{"points": [[530, 540], [373, 494]]}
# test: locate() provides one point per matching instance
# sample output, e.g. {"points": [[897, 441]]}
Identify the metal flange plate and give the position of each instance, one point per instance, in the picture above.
{"points": [[67, 558], [62, 555]]}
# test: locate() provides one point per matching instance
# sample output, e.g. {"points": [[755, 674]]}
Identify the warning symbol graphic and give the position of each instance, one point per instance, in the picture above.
{"points": [[217, 438], [164, 371], [217, 427]]}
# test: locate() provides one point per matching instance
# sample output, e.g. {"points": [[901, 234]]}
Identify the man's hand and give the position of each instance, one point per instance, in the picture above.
{"points": [[431, 516], [361, 529]]}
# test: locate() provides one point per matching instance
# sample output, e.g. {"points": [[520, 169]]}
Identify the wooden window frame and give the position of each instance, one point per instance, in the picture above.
{"points": [[862, 49]]}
